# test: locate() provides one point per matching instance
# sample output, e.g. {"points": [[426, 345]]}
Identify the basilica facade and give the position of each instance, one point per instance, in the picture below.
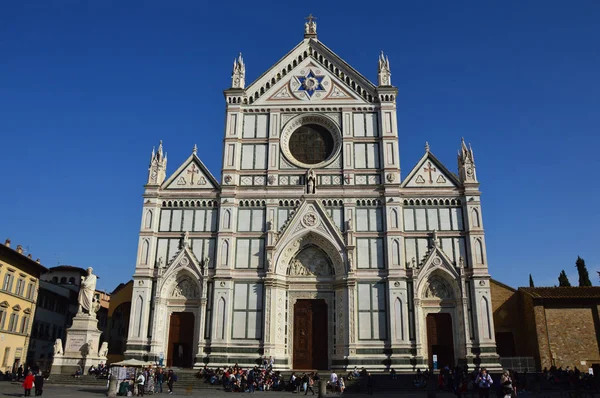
{"points": [[312, 248]]}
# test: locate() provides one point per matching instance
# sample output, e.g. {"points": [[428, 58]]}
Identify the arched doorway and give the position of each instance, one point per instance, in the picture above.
{"points": [[181, 340]]}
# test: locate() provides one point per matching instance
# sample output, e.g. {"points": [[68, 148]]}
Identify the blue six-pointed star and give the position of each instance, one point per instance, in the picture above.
{"points": [[310, 83]]}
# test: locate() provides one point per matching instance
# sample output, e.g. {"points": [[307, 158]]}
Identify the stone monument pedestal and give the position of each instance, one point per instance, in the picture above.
{"points": [[81, 347]]}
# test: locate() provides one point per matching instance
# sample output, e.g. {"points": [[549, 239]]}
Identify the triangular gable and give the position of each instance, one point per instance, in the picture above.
{"points": [[276, 84], [185, 258], [310, 215], [192, 174], [430, 173], [436, 260], [309, 81]]}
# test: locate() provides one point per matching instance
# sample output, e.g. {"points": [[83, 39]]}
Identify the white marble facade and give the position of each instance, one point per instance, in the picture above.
{"points": [[291, 220]]}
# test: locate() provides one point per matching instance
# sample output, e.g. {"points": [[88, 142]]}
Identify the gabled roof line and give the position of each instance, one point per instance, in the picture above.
{"points": [[203, 168], [439, 164]]}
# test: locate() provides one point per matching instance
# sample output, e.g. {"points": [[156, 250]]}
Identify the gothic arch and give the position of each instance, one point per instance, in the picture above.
{"points": [[227, 219], [475, 221], [304, 239], [183, 283], [438, 276], [478, 251], [399, 319], [486, 327], [145, 251], [148, 220], [394, 217], [224, 253], [139, 313], [395, 252]]}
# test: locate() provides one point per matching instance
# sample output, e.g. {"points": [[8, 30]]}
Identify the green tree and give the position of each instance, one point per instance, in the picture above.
{"points": [[531, 281], [563, 281], [584, 277]]}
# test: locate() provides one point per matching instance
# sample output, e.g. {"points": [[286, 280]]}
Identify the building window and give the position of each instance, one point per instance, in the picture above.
{"points": [[370, 253], [2, 318], [13, 322], [6, 356], [54, 279], [24, 325], [371, 311], [254, 156], [63, 279], [71, 281], [20, 287], [247, 311], [30, 291], [369, 220], [8, 282], [250, 253], [251, 220]]}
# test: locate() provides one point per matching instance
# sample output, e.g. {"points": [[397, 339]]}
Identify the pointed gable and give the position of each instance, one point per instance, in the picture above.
{"points": [[430, 173], [311, 72], [192, 174], [311, 215]]}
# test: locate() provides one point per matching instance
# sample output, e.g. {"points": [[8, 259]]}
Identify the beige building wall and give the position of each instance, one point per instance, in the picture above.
{"points": [[19, 283]]}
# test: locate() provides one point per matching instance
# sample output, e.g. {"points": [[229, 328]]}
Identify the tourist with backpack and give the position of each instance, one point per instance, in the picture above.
{"points": [[171, 379]]}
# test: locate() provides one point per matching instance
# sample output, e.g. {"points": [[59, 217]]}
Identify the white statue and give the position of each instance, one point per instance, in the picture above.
{"points": [[185, 241], [58, 348], [86, 292], [310, 182], [103, 351]]}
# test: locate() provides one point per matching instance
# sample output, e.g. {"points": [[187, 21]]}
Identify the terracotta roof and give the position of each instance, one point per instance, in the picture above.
{"points": [[82, 271], [574, 292]]}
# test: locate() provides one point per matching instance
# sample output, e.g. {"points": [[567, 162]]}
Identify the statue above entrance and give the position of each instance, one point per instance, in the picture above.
{"points": [[310, 262]]}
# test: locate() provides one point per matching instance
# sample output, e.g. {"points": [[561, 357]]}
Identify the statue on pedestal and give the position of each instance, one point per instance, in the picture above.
{"points": [[86, 293]]}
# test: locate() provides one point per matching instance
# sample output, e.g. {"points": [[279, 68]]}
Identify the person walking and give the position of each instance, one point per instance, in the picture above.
{"points": [[28, 384], [39, 383], [484, 382], [171, 379], [311, 383], [140, 381]]}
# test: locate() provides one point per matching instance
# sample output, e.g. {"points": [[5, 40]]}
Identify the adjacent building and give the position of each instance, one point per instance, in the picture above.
{"points": [[20, 276], [118, 321], [313, 248], [554, 326]]}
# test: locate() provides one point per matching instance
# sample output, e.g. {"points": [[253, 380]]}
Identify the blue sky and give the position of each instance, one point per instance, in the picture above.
{"points": [[87, 88]]}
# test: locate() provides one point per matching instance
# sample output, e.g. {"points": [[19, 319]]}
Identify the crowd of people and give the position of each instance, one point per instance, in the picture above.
{"points": [[148, 380]]}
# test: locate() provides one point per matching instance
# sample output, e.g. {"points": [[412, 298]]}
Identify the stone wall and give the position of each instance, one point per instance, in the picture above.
{"points": [[572, 335]]}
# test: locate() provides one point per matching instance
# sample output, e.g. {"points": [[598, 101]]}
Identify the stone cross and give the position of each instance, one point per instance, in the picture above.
{"points": [[429, 169], [193, 170]]}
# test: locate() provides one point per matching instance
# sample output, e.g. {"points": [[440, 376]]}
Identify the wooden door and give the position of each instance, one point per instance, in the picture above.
{"points": [[440, 340], [181, 340], [310, 335]]}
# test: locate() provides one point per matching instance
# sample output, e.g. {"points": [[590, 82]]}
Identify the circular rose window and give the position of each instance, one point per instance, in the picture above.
{"points": [[311, 144], [311, 141]]}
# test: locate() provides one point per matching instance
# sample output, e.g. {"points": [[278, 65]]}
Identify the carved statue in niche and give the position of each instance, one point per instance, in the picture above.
{"points": [[438, 289], [310, 262], [310, 182], [185, 289]]}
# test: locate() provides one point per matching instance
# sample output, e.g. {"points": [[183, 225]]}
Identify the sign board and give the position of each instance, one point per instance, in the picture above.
{"points": [[591, 371], [435, 362]]}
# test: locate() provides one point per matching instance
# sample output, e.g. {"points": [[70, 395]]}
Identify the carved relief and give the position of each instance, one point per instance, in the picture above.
{"points": [[185, 289], [437, 288], [310, 262]]}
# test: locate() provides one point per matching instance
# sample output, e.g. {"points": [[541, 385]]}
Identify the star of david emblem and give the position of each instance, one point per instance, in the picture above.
{"points": [[310, 83]]}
